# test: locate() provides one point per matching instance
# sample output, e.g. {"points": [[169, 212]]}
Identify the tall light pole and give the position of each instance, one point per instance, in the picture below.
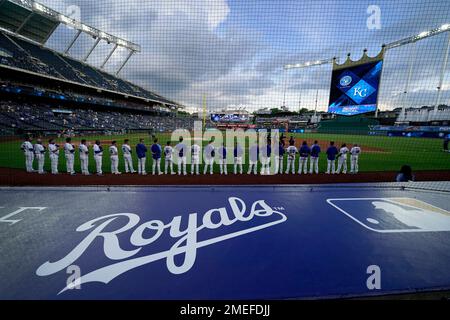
{"points": [[441, 78], [317, 98], [299, 101], [204, 112], [284, 87]]}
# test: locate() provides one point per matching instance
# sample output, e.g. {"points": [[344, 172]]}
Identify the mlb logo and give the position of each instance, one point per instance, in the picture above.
{"points": [[346, 80], [392, 215]]}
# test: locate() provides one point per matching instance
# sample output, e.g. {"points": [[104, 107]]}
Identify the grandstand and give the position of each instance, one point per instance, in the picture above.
{"points": [[425, 116], [51, 79], [36, 80], [18, 117], [23, 54]]}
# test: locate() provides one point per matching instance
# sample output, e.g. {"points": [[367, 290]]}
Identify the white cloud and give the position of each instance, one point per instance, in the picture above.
{"points": [[213, 11], [184, 57]]}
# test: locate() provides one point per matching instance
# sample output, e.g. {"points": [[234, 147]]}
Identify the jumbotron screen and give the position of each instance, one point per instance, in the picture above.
{"points": [[354, 90], [221, 117]]}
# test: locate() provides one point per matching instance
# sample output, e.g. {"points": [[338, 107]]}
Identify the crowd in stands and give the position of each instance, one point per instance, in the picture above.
{"points": [[42, 117]]}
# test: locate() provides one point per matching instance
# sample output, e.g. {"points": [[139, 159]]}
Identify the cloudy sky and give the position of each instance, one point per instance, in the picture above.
{"points": [[233, 51]]}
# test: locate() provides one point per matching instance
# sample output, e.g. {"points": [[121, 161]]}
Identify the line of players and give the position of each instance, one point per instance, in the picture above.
{"points": [[38, 150]]}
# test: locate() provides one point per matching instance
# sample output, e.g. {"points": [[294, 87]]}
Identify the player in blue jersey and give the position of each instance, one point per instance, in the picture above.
{"points": [[304, 154], [314, 159], [156, 155], [332, 151], [222, 155], [141, 150], [237, 153]]}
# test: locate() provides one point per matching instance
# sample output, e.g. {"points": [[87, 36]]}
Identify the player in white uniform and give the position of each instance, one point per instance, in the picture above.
{"points": [[114, 156], [69, 153], [39, 154], [264, 157], [195, 152], [237, 153], [28, 150], [342, 161], [84, 157], [168, 157], [53, 150], [127, 158], [222, 156], [354, 158], [208, 155], [98, 157], [291, 152], [181, 149]]}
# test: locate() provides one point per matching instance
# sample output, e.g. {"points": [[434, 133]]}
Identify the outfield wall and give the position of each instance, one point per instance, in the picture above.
{"points": [[347, 125], [439, 132]]}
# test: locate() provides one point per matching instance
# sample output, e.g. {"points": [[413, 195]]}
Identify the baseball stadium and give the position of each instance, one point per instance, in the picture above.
{"points": [[293, 151]]}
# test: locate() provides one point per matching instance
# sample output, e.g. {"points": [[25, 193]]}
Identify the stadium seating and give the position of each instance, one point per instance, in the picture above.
{"points": [[43, 117], [22, 54], [424, 115], [50, 58], [14, 56]]}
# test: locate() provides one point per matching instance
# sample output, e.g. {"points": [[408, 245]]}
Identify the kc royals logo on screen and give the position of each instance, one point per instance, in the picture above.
{"points": [[354, 89], [393, 215], [128, 243]]}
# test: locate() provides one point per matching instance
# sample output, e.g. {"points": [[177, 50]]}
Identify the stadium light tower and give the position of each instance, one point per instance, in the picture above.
{"points": [[441, 78], [421, 36], [317, 99], [307, 64], [402, 42]]}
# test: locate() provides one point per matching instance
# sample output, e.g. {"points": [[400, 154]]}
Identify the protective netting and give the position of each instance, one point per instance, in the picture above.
{"points": [[223, 64]]}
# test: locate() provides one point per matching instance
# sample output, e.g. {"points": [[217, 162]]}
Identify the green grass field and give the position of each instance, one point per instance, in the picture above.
{"points": [[421, 154]]}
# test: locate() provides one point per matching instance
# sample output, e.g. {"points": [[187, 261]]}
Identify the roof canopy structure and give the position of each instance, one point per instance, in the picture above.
{"points": [[37, 22], [34, 23], [392, 45]]}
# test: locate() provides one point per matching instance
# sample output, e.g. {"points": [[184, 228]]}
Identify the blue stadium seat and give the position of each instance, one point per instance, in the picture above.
{"points": [[51, 58], [22, 54]]}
